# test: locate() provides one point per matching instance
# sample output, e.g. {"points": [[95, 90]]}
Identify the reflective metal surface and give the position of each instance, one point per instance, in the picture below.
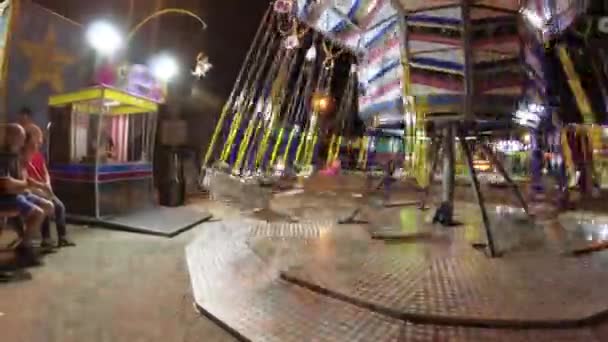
{"points": [[317, 281]]}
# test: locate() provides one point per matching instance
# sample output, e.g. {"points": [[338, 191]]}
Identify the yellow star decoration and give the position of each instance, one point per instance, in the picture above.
{"points": [[46, 62]]}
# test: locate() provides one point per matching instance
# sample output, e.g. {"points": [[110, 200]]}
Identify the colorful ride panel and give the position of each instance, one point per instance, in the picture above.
{"points": [[418, 51]]}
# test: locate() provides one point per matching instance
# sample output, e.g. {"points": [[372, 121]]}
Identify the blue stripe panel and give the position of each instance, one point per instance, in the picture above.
{"points": [[437, 63], [381, 33], [383, 71], [306, 9], [340, 27], [109, 168], [382, 107], [421, 18], [442, 100], [353, 9]]}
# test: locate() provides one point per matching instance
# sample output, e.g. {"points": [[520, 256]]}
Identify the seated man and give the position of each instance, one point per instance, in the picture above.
{"points": [[38, 177], [14, 196]]}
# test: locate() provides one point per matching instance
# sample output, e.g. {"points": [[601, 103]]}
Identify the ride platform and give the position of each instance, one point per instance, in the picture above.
{"points": [[160, 221], [319, 281]]}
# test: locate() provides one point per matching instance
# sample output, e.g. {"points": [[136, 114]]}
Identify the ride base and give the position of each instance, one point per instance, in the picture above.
{"points": [[317, 281]]}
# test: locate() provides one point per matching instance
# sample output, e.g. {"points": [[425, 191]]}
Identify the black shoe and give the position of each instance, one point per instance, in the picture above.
{"points": [[14, 276], [65, 242], [5, 277], [47, 247], [27, 256]]}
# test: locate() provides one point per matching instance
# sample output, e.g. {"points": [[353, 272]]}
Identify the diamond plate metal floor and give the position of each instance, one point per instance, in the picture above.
{"points": [[236, 269]]}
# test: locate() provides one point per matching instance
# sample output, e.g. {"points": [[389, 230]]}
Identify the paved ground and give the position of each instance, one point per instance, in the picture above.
{"points": [[118, 286], [112, 287], [316, 281], [245, 285]]}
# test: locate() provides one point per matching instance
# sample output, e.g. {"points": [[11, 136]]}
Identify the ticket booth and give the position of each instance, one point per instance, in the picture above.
{"points": [[101, 143]]}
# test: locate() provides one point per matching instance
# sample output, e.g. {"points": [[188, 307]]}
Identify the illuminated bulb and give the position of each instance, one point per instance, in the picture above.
{"points": [[104, 38], [323, 104], [311, 54], [164, 67]]}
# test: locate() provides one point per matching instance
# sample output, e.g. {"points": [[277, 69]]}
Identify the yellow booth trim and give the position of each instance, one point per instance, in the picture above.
{"points": [[126, 103]]}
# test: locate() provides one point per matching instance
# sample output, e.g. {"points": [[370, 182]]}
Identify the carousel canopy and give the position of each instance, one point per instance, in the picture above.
{"points": [[431, 36]]}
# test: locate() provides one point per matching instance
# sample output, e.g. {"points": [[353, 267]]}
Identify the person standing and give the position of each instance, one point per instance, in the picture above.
{"points": [[24, 118], [388, 180]]}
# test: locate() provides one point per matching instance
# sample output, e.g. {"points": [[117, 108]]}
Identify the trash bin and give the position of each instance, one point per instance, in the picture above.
{"points": [[172, 187]]}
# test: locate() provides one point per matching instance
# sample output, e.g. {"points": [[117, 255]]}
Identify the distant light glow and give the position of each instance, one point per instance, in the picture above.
{"points": [[202, 66], [104, 38], [529, 115], [164, 67], [323, 103], [533, 18], [510, 146], [311, 54], [292, 42]]}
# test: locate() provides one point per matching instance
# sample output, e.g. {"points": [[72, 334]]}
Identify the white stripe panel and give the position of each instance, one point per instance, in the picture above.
{"points": [[387, 57], [328, 20], [451, 13], [505, 91], [418, 4], [421, 89], [481, 13], [419, 45], [369, 35], [506, 4], [392, 95], [444, 56], [385, 12], [344, 6], [376, 86]]}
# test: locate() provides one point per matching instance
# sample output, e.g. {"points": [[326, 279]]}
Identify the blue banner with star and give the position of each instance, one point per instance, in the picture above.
{"points": [[46, 56]]}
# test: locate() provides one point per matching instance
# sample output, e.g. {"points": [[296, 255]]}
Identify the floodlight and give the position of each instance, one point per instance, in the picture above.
{"points": [[164, 67], [104, 38]]}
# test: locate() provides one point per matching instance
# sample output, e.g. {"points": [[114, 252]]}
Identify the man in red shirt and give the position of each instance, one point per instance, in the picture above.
{"points": [[39, 180]]}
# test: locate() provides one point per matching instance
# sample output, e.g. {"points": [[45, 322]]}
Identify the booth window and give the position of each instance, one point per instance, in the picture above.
{"points": [[125, 138]]}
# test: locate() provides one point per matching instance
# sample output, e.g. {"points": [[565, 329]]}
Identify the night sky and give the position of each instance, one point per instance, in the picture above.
{"points": [[231, 27]]}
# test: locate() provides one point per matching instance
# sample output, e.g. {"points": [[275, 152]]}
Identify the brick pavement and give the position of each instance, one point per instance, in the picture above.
{"points": [[112, 287], [438, 289], [235, 268]]}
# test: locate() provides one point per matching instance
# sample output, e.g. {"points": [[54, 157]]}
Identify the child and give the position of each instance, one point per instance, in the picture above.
{"points": [[13, 194], [35, 170]]}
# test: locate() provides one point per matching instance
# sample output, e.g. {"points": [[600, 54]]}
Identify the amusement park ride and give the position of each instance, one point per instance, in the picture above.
{"points": [[442, 71]]}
